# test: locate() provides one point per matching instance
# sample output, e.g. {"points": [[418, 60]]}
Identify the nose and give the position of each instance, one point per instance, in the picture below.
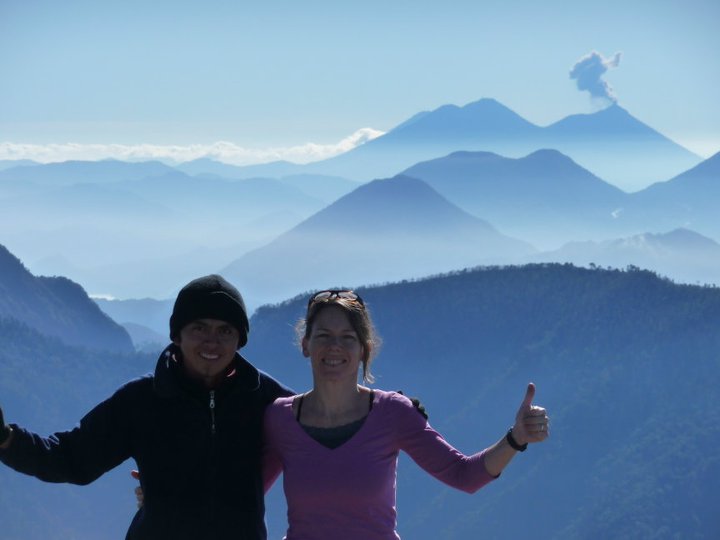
{"points": [[221, 336], [336, 342], [212, 336]]}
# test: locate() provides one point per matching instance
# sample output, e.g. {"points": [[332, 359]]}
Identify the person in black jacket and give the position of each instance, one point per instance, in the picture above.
{"points": [[193, 428]]}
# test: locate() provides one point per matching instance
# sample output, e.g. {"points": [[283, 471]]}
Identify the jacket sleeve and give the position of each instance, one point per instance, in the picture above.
{"points": [[434, 454], [96, 445], [273, 388]]}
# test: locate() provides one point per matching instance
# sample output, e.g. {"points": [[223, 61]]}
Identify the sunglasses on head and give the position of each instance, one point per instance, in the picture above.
{"points": [[326, 296]]}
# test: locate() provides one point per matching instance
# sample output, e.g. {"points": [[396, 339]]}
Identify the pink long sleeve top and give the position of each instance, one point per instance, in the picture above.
{"points": [[349, 492]]}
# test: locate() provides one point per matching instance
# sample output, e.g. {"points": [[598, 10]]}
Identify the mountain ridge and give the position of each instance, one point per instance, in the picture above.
{"points": [[488, 125], [680, 254], [56, 307], [384, 230], [76, 171], [544, 197]]}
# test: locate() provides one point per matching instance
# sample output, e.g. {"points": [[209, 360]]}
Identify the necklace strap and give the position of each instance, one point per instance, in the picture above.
{"points": [[299, 407]]}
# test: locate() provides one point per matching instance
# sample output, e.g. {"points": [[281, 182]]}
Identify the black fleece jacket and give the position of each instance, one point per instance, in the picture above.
{"points": [[198, 451]]}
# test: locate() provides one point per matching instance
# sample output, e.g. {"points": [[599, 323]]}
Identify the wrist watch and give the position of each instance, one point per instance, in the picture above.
{"points": [[513, 443]]}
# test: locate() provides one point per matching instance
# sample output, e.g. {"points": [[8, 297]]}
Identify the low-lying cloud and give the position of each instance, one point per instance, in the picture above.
{"points": [[588, 72], [224, 151]]}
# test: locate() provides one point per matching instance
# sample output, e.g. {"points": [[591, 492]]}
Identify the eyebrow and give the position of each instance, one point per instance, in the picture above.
{"points": [[327, 329], [201, 322]]}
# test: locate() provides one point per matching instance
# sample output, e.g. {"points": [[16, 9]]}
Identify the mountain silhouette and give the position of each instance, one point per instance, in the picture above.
{"points": [[385, 230], [688, 200], [522, 185], [697, 184], [75, 172], [10, 163], [481, 125], [681, 255], [323, 187], [619, 148], [56, 307], [210, 166], [481, 120], [544, 197], [247, 199], [611, 143], [142, 317], [198, 224]]}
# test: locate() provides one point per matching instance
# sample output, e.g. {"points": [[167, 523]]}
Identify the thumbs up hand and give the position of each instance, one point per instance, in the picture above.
{"points": [[531, 422]]}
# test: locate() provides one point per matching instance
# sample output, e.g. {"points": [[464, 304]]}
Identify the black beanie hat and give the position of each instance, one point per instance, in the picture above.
{"points": [[210, 297]]}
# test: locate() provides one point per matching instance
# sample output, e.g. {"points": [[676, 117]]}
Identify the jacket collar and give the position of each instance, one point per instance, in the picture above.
{"points": [[170, 380]]}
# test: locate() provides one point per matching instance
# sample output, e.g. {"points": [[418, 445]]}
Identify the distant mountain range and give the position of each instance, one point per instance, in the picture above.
{"points": [[548, 199], [385, 230], [202, 166], [619, 148], [172, 225], [68, 173], [146, 319], [689, 200], [389, 234], [10, 163], [99, 222], [610, 143], [681, 255], [203, 224], [544, 197]]}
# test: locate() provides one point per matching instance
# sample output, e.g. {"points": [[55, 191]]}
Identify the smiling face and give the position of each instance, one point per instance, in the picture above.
{"points": [[208, 347], [333, 347]]}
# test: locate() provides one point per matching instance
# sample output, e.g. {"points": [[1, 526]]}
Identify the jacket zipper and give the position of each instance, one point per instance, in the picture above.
{"points": [[212, 412], [212, 468]]}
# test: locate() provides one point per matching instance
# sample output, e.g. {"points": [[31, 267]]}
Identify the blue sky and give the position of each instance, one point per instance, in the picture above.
{"points": [[255, 81]]}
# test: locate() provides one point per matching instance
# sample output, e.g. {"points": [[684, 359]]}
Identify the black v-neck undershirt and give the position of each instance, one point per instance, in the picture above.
{"points": [[332, 437]]}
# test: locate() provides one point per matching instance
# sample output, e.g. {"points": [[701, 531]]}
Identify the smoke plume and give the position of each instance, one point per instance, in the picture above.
{"points": [[588, 73]]}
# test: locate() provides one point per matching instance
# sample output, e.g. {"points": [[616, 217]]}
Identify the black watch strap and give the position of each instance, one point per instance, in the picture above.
{"points": [[513, 443]]}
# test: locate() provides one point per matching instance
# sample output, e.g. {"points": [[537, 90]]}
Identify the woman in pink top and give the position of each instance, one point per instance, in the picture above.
{"points": [[337, 445]]}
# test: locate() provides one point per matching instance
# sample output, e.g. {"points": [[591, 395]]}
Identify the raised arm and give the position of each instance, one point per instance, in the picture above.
{"points": [[78, 456], [470, 472]]}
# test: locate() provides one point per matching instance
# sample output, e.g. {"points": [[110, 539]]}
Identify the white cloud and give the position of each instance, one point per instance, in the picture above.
{"points": [[224, 151]]}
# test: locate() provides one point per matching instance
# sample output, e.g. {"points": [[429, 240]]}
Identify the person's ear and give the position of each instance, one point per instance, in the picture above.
{"points": [[304, 347]]}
